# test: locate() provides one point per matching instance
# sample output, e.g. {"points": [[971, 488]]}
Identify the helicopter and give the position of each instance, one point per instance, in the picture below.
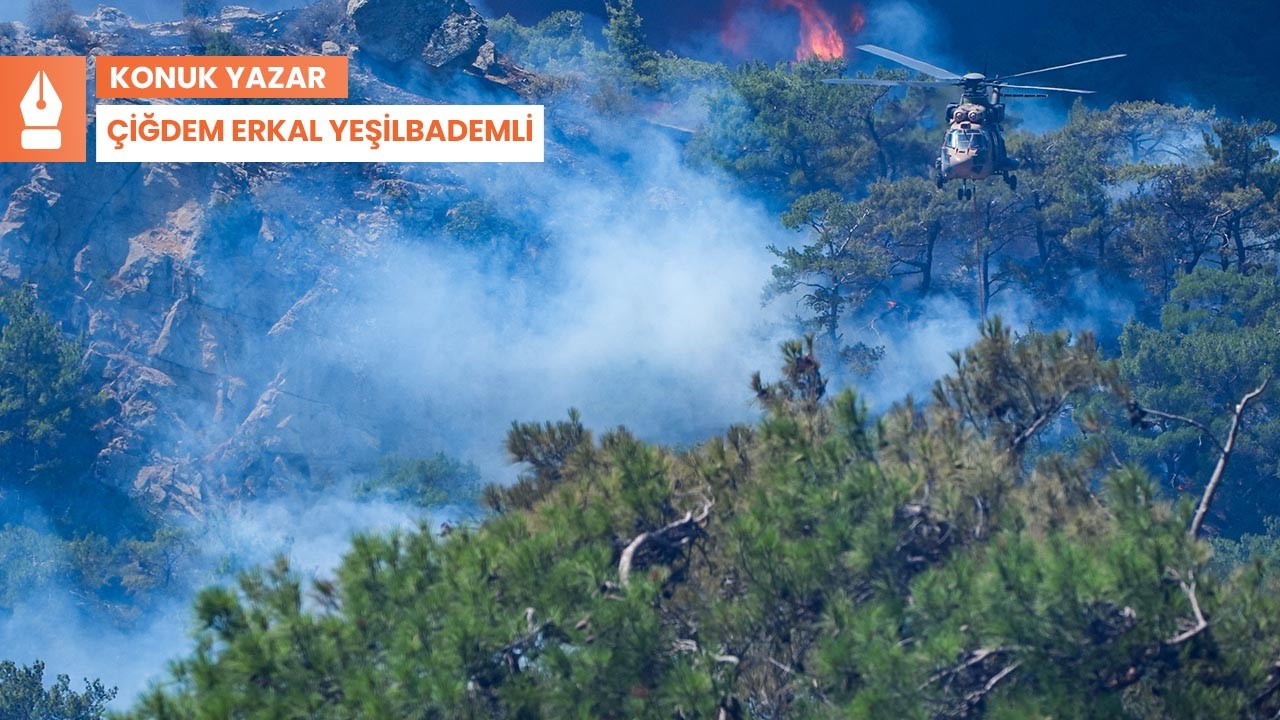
{"points": [[974, 146]]}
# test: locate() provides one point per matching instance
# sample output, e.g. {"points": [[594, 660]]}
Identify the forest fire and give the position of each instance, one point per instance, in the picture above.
{"points": [[818, 35], [820, 30]]}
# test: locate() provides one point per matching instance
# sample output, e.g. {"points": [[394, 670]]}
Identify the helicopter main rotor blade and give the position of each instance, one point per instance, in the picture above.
{"points": [[912, 63], [886, 83], [1042, 87], [1059, 67]]}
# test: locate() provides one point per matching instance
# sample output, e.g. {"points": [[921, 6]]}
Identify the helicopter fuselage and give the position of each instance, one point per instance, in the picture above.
{"points": [[973, 148]]}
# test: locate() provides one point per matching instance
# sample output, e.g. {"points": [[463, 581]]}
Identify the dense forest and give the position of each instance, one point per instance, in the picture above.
{"points": [[1228, 69], [1069, 525]]}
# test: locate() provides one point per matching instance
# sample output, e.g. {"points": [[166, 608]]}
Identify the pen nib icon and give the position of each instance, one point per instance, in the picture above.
{"points": [[41, 109]]}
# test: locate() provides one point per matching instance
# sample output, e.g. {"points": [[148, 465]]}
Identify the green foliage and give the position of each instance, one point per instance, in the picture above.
{"points": [[205, 40], [550, 450], [85, 535], [556, 44], [28, 560], [627, 79], [1138, 132], [988, 553], [1242, 152], [199, 8], [424, 482], [46, 409], [1134, 194], [915, 225], [627, 45], [24, 697], [1009, 388], [1223, 211], [1140, 191], [1245, 179], [818, 565], [1087, 213], [784, 131], [1218, 336], [473, 222], [855, 250], [119, 578], [1261, 549], [837, 270]]}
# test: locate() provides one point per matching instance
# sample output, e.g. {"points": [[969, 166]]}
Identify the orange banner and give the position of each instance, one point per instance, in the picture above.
{"points": [[257, 76]]}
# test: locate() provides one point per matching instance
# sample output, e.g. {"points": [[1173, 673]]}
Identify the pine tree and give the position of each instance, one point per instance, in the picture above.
{"points": [[837, 269], [1218, 337], [46, 407], [627, 43], [23, 696]]}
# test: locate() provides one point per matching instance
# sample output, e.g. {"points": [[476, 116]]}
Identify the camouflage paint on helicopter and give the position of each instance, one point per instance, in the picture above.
{"points": [[973, 148]]}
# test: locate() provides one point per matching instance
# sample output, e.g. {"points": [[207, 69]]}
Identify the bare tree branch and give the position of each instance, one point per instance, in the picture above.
{"points": [[974, 658], [1189, 587], [1189, 421], [670, 537], [970, 672], [1224, 457]]}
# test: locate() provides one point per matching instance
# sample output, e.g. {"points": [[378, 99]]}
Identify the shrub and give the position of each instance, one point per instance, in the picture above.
{"points": [[199, 8], [56, 18], [204, 40], [318, 22]]}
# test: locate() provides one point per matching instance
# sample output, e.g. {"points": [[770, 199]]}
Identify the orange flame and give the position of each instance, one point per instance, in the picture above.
{"points": [[818, 35]]}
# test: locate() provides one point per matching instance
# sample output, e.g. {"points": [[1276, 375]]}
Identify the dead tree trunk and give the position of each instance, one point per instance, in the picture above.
{"points": [[1223, 457], [661, 545]]}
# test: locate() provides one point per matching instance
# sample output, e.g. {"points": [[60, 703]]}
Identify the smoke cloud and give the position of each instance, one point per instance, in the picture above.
{"points": [[55, 623], [649, 314]]}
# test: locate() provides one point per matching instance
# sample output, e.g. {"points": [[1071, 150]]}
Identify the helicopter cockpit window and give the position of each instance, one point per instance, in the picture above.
{"points": [[962, 140]]}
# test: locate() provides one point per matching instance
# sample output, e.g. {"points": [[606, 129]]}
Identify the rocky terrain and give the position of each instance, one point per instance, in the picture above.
{"points": [[203, 292]]}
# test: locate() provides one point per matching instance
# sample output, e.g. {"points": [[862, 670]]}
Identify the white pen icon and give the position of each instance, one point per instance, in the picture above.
{"points": [[41, 109]]}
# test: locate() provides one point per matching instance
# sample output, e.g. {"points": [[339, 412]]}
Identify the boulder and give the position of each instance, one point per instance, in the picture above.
{"points": [[438, 33]]}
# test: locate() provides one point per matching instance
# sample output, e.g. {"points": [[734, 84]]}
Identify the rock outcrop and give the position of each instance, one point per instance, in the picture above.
{"points": [[204, 292], [439, 33], [407, 36]]}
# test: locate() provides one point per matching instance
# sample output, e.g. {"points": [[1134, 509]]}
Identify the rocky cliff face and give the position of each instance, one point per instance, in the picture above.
{"points": [[203, 290]]}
